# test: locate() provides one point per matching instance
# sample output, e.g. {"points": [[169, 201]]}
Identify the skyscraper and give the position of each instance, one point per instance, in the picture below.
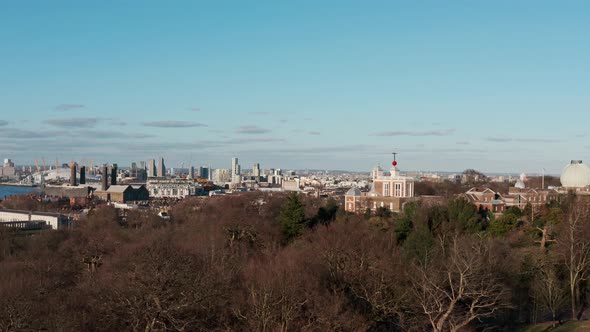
{"points": [[256, 170], [235, 171], [151, 168], [161, 168], [191, 172], [234, 166]]}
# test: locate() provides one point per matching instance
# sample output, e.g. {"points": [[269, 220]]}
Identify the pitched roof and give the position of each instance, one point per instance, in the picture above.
{"points": [[118, 188]]}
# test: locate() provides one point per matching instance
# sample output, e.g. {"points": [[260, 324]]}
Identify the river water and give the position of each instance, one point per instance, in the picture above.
{"points": [[15, 190]]}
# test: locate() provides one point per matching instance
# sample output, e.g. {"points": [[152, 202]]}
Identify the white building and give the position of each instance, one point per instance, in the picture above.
{"points": [[256, 170], [8, 169], [387, 191], [173, 188], [53, 220], [222, 176], [575, 176]]}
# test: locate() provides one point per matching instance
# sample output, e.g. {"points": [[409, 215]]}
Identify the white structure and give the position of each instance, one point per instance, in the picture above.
{"points": [[520, 182], [61, 174], [174, 188], [392, 185], [8, 169], [222, 176], [54, 220], [575, 175], [291, 184], [387, 191], [151, 171]]}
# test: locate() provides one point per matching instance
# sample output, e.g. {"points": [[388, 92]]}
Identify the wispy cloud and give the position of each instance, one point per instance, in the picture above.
{"points": [[445, 132], [3, 123], [463, 143], [173, 124], [252, 130], [68, 107], [521, 140], [111, 134], [252, 140], [195, 109], [238, 141], [17, 133], [117, 123], [313, 132], [73, 122], [359, 148], [499, 139]]}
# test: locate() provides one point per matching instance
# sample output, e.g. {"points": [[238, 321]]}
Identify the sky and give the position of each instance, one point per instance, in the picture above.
{"points": [[498, 86]]}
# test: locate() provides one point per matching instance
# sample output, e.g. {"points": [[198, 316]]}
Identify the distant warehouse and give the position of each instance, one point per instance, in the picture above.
{"points": [[123, 193], [28, 219]]}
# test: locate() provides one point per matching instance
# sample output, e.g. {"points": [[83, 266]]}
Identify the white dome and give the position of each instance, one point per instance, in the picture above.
{"points": [[575, 175]]}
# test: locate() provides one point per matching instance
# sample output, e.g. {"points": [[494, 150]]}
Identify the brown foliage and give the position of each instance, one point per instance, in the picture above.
{"points": [[220, 264]]}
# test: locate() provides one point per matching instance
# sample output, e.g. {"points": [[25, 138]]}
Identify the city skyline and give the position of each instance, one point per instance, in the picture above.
{"points": [[495, 87]]}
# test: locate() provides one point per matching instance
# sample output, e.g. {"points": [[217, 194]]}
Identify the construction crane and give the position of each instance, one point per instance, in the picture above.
{"points": [[37, 164], [90, 168], [44, 165], [56, 166]]}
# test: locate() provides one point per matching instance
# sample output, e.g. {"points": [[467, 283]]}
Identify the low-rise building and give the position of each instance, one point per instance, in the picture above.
{"points": [[123, 193], [173, 188], [20, 219], [487, 199]]}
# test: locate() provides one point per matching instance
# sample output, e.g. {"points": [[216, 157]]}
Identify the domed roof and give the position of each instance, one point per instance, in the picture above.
{"points": [[575, 175], [520, 184], [353, 192]]}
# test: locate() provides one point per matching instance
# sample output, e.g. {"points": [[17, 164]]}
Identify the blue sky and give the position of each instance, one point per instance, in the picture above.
{"points": [[498, 86]]}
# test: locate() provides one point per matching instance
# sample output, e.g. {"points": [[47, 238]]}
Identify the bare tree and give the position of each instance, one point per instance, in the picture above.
{"points": [[574, 249], [464, 287], [548, 290]]}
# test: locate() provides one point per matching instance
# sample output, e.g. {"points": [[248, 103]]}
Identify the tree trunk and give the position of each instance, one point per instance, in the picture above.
{"points": [[573, 296]]}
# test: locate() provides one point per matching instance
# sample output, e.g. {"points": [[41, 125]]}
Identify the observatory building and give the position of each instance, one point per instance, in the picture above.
{"points": [[389, 191], [575, 176]]}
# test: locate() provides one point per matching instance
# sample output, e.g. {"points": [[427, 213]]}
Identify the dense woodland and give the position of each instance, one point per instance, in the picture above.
{"points": [[261, 262]]}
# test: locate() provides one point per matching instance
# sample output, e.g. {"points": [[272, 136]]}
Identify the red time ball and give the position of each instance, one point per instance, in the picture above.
{"points": [[394, 163]]}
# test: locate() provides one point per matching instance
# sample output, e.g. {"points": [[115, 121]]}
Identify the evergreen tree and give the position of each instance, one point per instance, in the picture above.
{"points": [[292, 217]]}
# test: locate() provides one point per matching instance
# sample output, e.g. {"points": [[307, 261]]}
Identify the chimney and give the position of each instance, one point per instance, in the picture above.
{"points": [[114, 175], [73, 175], [83, 175], [105, 177]]}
